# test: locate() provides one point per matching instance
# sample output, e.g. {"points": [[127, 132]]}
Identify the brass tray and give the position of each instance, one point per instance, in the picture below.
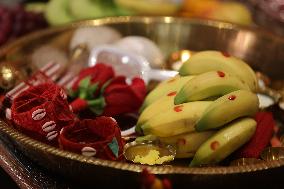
{"points": [[264, 51]]}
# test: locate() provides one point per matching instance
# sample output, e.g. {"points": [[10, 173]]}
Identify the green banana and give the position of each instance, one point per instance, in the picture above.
{"points": [[141, 139], [155, 108], [86, 9], [209, 84], [227, 108], [205, 61], [56, 12], [224, 142], [175, 120], [166, 87]]}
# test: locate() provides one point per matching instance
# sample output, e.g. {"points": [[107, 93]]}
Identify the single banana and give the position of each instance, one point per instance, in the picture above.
{"points": [[187, 144], [227, 108], [224, 142], [175, 120], [165, 102], [209, 84], [166, 87], [205, 61]]}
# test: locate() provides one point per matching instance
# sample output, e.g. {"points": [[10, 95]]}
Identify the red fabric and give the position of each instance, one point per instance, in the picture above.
{"points": [[261, 137], [96, 133], [47, 97], [122, 98], [100, 73]]}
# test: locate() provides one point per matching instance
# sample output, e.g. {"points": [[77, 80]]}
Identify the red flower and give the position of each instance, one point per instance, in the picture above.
{"points": [[98, 137], [117, 98], [261, 137], [90, 80], [123, 98]]}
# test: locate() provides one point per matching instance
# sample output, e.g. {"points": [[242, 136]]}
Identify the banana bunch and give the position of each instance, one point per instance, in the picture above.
{"points": [[204, 111]]}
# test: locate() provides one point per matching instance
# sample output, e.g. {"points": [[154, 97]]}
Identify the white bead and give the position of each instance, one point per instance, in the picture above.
{"points": [[8, 113], [88, 151], [38, 114], [51, 135], [48, 126]]}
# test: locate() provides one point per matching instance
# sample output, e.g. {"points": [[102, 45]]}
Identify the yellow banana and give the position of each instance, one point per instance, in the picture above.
{"points": [[187, 144], [164, 88], [205, 61], [209, 84], [155, 108], [224, 142], [175, 120], [227, 108]]}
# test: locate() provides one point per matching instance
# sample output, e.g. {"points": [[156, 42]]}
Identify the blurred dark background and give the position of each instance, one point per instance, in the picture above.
{"points": [[5, 181]]}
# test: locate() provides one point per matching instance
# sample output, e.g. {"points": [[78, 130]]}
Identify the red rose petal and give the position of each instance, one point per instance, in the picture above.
{"points": [[261, 137]]}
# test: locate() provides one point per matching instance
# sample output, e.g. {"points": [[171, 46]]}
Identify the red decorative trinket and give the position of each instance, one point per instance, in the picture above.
{"points": [[41, 112], [98, 137]]}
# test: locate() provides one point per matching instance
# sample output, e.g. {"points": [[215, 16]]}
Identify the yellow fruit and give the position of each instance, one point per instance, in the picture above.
{"points": [[165, 88], [212, 9], [187, 144], [149, 6], [200, 8], [232, 12], [209, 84], [228, 108], [224, 142], [205, 61], [175, 120], [155, 108]]}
